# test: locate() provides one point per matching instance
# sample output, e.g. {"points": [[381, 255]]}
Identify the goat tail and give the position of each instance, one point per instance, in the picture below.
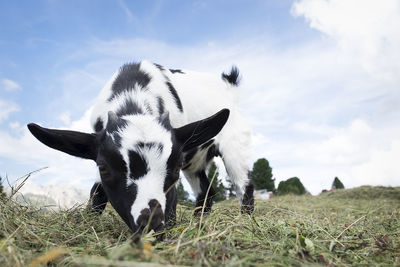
{"points": [[233, 77]]}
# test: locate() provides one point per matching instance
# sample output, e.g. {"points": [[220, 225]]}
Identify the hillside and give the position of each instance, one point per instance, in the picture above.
{"points": [[345, 227], [50, 196]]}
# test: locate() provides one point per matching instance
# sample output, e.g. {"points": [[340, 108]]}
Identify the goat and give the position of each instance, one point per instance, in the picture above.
{"points": [[150, 123]]}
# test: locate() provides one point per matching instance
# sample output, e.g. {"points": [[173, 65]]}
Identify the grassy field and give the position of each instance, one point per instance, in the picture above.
{"points": [[347, 227]]}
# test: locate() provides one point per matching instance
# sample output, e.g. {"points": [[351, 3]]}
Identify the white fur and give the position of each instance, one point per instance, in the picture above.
{"points": [[194, 182]]}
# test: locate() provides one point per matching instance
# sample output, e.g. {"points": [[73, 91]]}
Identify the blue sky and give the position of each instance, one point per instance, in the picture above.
{"points": [[320, 78], [41, 38]]}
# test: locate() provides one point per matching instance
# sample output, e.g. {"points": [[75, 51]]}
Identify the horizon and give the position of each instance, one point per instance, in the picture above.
{"points": [[320, 79]]}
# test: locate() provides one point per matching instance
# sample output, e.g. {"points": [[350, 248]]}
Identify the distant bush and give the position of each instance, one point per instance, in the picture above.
{"points": [[220, 190], [337, 184], [182, 194], [291, 186]]}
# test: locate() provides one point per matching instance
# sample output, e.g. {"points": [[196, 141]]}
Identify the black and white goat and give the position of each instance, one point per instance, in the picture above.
{"points": [[150, 123]]}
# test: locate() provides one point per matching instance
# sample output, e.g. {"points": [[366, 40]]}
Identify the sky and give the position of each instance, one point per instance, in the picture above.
{"points": [[320, 78]]}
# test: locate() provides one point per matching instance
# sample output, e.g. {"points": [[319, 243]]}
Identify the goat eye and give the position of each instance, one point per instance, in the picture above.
{"points": [[103, 170]]}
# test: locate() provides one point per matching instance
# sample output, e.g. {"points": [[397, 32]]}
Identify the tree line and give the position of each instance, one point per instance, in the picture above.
{"points": [[263, 179]]}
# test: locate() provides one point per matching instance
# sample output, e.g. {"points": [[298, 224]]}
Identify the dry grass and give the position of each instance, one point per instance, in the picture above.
{"points": [[346, 227]]}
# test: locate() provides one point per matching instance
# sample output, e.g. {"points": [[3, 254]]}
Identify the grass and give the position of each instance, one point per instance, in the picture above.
{"points": [[347, 227]]}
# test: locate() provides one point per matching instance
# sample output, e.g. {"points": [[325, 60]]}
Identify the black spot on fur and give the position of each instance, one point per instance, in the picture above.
{"points": [[186, 166], [207, 144], [117, 139], [211, 153], [150, 145], [164, 121], [189, 155], [159, 66], [115, 125], [176, 71], [137, 165], [129, 107], [175, 95], [142, 145], [160, 104], [233, 77], [148, 108], [98, 125], [160, 147], [114, 161], [128, 78]]}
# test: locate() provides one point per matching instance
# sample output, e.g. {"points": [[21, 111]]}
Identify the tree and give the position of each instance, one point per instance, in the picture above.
{"points": [[291, 186], [182, 194], [262, 175], [231, 189], [2, 193], [220, 190], [337, 184]]}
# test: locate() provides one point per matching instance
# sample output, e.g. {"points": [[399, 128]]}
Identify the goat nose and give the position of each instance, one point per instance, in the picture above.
{"points": [[151, 218]]}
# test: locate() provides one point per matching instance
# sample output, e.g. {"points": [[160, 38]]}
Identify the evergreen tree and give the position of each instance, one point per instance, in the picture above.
{"points": [[182, 194], [262, 175], [231, 189], [337, 184], [2, 193], [291, 186], [220, 190]]}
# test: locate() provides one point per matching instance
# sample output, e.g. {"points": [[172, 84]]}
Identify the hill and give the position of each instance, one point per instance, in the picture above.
{"points": [[345, 227], [62, 196], [367, 193]]}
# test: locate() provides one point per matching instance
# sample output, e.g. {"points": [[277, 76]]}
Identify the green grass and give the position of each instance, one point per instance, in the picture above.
{"points": [[348, 227]]}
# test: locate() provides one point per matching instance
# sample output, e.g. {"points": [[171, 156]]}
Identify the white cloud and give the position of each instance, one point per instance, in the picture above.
{"points": [[129, 15], [381, 168], [65, 117], [366, 29], [77, 91], [14, 125], [20, 146], [6, 108], [346, 146], [9, 85]]}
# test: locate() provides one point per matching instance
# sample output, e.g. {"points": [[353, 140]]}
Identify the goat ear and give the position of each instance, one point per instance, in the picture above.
{"points": [[199, 132], [77, 144]]}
